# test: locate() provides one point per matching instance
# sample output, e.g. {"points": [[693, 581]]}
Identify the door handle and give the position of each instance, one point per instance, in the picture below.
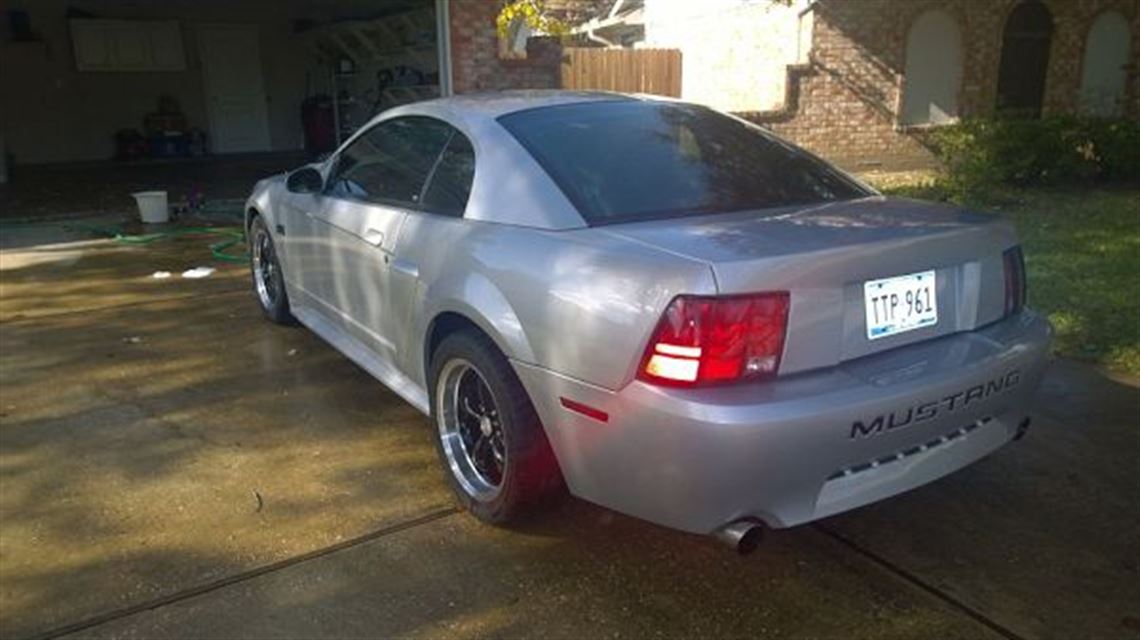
{"points": [[374, 237]]}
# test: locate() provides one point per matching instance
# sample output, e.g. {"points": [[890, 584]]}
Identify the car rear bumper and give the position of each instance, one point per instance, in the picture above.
{"points": [[802, 447]]}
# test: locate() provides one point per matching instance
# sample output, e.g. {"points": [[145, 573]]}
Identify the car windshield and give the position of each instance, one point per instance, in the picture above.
{"points": [[622, 161]]}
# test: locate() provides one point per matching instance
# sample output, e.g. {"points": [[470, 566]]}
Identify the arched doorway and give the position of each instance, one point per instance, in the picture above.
{"points": [[1104, 70], [1024, 59], [933, 69]]}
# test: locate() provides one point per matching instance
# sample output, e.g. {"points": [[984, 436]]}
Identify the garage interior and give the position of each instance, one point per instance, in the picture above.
{"points": [[196, 97]]}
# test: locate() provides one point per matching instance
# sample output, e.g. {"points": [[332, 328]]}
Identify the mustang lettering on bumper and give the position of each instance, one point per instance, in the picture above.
{"points": [[930, 410]]}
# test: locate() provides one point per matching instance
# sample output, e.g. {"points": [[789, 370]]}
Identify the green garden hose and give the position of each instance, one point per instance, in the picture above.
{"points": [[217, 249], [220, 250]]}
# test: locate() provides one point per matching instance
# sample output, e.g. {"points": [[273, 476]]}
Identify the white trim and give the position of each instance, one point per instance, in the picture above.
{"points": [[617, 7], [443, 46]]}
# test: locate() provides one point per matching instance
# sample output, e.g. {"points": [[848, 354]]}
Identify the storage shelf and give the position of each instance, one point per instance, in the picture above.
{"points": [[387, 37]]}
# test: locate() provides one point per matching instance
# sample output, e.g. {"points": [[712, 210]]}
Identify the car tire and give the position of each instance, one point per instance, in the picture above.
{"points": [[529, 477], [267, 277]]}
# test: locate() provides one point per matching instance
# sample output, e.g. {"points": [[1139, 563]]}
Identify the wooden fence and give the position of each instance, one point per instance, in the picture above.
{"points": [[656, 71]]}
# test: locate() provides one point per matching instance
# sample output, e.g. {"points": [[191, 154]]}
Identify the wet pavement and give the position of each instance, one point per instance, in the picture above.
{"points": [[172, 465]]}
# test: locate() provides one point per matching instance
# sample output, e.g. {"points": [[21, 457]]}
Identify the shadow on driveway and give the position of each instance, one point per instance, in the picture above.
{"points": [[155, 440]]}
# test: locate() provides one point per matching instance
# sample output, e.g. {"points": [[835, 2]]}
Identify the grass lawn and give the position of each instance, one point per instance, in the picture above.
{"points": [[1082, 251]]}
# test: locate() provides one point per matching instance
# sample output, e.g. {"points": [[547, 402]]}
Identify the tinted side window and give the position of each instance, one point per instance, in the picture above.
{"points": [[390, 162], [451, 183]]}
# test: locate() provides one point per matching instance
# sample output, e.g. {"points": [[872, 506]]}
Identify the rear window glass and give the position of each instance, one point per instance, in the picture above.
{"points": [[627, 161]]}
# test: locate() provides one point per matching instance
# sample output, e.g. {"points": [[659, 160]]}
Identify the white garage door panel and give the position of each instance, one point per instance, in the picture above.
{"points": [[92, 45], [127, 45], [131, 46], [235, 92], [166, 46]]}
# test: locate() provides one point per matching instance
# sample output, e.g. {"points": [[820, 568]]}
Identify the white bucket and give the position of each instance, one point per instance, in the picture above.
{"points": [[152, 206]]}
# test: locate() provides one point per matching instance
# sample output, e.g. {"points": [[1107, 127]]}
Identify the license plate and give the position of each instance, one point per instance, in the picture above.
{"points": [[900, 304]]}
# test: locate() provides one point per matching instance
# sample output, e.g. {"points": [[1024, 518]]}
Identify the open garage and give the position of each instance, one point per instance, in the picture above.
{"points": [[196, 98]]}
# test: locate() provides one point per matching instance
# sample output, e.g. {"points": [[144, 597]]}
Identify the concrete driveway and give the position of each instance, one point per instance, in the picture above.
{"points": [[171, 465]]}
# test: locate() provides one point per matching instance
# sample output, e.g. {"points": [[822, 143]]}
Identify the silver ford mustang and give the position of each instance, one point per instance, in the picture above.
{"points": [[667, 310]]}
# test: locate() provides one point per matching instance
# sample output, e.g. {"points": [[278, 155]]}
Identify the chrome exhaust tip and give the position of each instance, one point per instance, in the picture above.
{"points": [[743, 535]]}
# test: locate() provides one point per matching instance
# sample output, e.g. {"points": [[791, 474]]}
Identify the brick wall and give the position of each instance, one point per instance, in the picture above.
{"points": [[845, 104], [475, 61]]}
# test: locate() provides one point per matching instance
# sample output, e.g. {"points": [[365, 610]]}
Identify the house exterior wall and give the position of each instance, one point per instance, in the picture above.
{"points": [[50, 112], [734, 53], [475, 61], [850, 97]]}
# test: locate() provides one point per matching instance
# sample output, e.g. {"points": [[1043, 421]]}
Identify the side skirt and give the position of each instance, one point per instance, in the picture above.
{"points": [[355, 350]]}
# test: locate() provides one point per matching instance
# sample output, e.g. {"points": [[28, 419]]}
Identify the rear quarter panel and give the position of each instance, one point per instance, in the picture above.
{"points": [[576, 302]]}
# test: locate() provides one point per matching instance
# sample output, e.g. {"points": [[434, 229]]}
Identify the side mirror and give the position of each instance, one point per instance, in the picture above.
{"points": [[305, 180]]}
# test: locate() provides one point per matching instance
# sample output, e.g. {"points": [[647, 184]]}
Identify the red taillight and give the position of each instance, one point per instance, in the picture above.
{"points": [[717, 339], [1015, 286]]}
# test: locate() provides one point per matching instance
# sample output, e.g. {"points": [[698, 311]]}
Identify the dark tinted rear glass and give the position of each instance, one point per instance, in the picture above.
{"points": [[625, 161]]}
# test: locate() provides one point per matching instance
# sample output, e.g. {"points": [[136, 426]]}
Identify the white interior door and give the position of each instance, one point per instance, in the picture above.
{"points": [[235, 90]]}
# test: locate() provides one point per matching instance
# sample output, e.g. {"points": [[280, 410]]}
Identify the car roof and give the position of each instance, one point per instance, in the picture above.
{"points": [[500, 103], [530, 198]]}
